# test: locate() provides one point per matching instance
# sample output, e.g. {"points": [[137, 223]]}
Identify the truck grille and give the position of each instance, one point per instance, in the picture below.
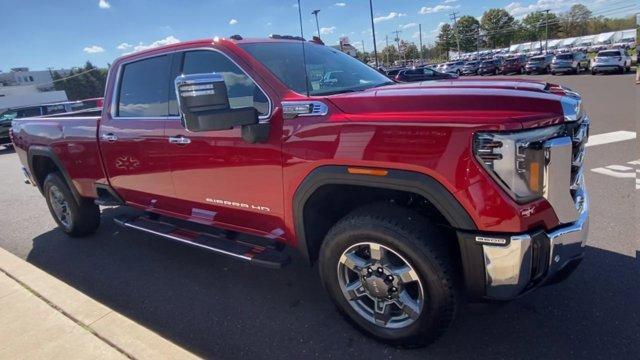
{"points": [[579, 133]]}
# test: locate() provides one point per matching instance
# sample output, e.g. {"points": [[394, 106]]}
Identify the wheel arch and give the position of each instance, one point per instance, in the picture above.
{"points": [[42, 161], [396, 180]]}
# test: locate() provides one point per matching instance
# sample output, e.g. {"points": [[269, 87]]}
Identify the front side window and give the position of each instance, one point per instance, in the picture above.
{"points": [[55, 109], [285, 60], [144, 88], [242, 91], [28, 112]]}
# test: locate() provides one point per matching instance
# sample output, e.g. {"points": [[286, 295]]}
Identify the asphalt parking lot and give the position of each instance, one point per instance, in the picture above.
{"points": [[222, 309]]}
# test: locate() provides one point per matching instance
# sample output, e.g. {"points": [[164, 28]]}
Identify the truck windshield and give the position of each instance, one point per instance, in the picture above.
{"points": [[329, 70]]}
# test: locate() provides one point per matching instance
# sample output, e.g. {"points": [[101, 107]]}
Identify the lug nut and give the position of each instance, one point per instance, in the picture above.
{"points": [[393, 289], [380, 270], [390, 278]]}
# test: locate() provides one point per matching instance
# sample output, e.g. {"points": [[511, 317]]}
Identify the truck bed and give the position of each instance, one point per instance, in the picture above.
{"points": [[71, 138]]}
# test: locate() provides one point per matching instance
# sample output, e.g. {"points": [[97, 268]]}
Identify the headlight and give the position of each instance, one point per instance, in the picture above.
{"points": [[516, 160]]}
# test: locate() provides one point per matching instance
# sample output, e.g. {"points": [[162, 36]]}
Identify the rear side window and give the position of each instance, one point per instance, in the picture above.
{"points": [[242, 91], [55, 109], [144, 88], [28, 112]]}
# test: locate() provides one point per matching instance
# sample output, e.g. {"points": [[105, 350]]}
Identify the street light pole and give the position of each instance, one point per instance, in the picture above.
{"points": [[373, 32], [546, 31], [421, 57], [315, 12]]}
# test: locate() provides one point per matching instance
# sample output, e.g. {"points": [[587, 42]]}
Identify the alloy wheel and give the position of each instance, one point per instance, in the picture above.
{"points": [[60, 207], [380, 285]]}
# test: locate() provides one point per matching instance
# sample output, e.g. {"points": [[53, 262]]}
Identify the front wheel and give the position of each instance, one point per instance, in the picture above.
{"points": [[388, 269], [75, 219]]}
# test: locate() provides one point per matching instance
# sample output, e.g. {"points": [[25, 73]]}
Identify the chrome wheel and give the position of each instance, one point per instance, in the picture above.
{"points": [[60, 207], [380, 285]]}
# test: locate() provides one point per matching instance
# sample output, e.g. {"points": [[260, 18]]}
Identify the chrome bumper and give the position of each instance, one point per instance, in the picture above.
{"points": [[531, 260]]}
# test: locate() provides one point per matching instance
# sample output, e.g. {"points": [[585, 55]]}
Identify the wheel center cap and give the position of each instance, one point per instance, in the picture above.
{"points": [[376, 287]]}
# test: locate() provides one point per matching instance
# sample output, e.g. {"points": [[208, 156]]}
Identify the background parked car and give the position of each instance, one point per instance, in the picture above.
{"points": [[471, 68], [513, 65], [422, 74], [490, 67], [611, 60], [573, 62], [454, 67], [539, 64]]}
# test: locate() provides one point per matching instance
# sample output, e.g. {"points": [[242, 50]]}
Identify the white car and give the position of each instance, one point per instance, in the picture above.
{"points": [[611, 60], [454, 67]]}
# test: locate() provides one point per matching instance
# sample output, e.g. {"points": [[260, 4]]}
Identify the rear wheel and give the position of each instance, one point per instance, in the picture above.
{"points": [[75, 219], [388, 269]]}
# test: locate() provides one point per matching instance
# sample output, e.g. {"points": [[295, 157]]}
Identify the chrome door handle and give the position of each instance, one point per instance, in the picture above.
{"points": [[109, 137], [179, 140]]}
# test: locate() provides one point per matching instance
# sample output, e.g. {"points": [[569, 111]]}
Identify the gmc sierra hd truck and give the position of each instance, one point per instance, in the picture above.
{"points": [[409, 197]]}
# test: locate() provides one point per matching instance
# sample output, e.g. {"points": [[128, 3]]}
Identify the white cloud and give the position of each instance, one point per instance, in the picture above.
{"points": [[517, 9], [104, 4], [436, 9], [124, 46], [93, 49], [449, 1], [437, 29], [327, 30], [408, 26], [233, 22], [166, 41], [392, 15], [340, 4], [269, 24]]}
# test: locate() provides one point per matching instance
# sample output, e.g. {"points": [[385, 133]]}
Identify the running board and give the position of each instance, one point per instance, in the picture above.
{"points": [[255, 254]]}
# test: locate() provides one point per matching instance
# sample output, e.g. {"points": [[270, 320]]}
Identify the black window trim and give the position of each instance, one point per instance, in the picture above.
{"points": [[115, 96]]}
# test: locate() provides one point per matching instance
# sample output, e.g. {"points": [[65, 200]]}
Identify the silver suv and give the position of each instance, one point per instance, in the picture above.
{"points": [[572, 62]]}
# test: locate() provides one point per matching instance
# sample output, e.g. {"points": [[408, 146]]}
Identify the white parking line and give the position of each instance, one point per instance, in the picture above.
{"points": [[621, 171], [611, 137]]}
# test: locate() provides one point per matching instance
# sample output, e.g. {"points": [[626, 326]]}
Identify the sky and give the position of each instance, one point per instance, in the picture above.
{"points": [[61, 34]]}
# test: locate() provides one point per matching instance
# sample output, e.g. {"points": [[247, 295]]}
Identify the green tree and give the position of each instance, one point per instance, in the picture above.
{"points": [[575, 22], [82, 83], [468, 33], [533, 26], [389, 54], [445, 39], [499, 27], [411, 51]]}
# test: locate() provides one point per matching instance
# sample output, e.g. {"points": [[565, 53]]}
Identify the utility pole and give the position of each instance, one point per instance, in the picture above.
{"points": [[546, 30], [363, 49], [386, 40], [454, 17], [421, 56], [397, 40], [478, 43], [315, 12], [373, 32]]}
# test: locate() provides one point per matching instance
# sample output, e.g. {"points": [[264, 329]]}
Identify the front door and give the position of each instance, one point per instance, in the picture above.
{"points": [[220, 179], [132, 139]]}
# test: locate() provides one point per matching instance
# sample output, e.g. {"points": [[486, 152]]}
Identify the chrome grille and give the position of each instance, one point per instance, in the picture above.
{"points": [[579, 133]]}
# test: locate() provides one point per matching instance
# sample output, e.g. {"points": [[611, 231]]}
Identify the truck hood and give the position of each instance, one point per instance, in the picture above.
{"points": [[526, 103]]}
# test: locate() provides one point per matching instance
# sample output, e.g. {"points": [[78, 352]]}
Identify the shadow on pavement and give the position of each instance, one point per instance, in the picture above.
{"points": [[223, 309], [6, 150]]}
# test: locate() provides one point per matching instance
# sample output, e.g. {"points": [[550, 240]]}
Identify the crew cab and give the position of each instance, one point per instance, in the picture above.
{"points": [[615, 60], [410, 197]]}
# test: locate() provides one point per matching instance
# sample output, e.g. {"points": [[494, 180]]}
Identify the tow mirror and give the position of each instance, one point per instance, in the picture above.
{"points": [[204, 104]]}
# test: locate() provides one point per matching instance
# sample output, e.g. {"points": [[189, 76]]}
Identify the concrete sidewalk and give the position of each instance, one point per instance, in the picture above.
{"points": [[41, 317]]}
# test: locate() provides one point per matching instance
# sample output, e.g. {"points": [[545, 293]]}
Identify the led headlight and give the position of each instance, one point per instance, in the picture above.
{"points": [[516, 160]]}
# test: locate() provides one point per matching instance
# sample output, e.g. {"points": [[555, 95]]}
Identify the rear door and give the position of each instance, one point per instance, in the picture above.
{"points": [[219, 178], [131, 135]]}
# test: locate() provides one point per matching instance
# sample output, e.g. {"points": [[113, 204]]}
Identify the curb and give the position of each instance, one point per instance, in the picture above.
{"points": [[123, 334]]}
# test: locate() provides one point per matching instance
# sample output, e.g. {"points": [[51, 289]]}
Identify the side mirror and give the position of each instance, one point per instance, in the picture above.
{"points": [[204, 104]]}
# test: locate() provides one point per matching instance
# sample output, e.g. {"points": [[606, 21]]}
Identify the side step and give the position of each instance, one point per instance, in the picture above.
{"points": [[220, 243]]}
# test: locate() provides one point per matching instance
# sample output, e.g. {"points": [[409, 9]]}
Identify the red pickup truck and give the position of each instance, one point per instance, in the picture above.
{"points": [[410, 197]]}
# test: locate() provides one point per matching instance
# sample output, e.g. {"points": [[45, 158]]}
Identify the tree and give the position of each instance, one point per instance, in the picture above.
{"points": [[411, 51], [498, 26], [445, 39], [575, 22], [389, 54], [468, 33], [82, 83], [533, 26]]}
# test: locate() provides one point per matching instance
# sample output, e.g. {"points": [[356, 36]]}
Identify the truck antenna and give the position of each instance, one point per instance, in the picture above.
{"points": [[304, 55]]}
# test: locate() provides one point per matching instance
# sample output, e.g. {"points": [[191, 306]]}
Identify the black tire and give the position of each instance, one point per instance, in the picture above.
{"points": [[577, 70], [84, 216], [415, 239], [593, 72]]}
